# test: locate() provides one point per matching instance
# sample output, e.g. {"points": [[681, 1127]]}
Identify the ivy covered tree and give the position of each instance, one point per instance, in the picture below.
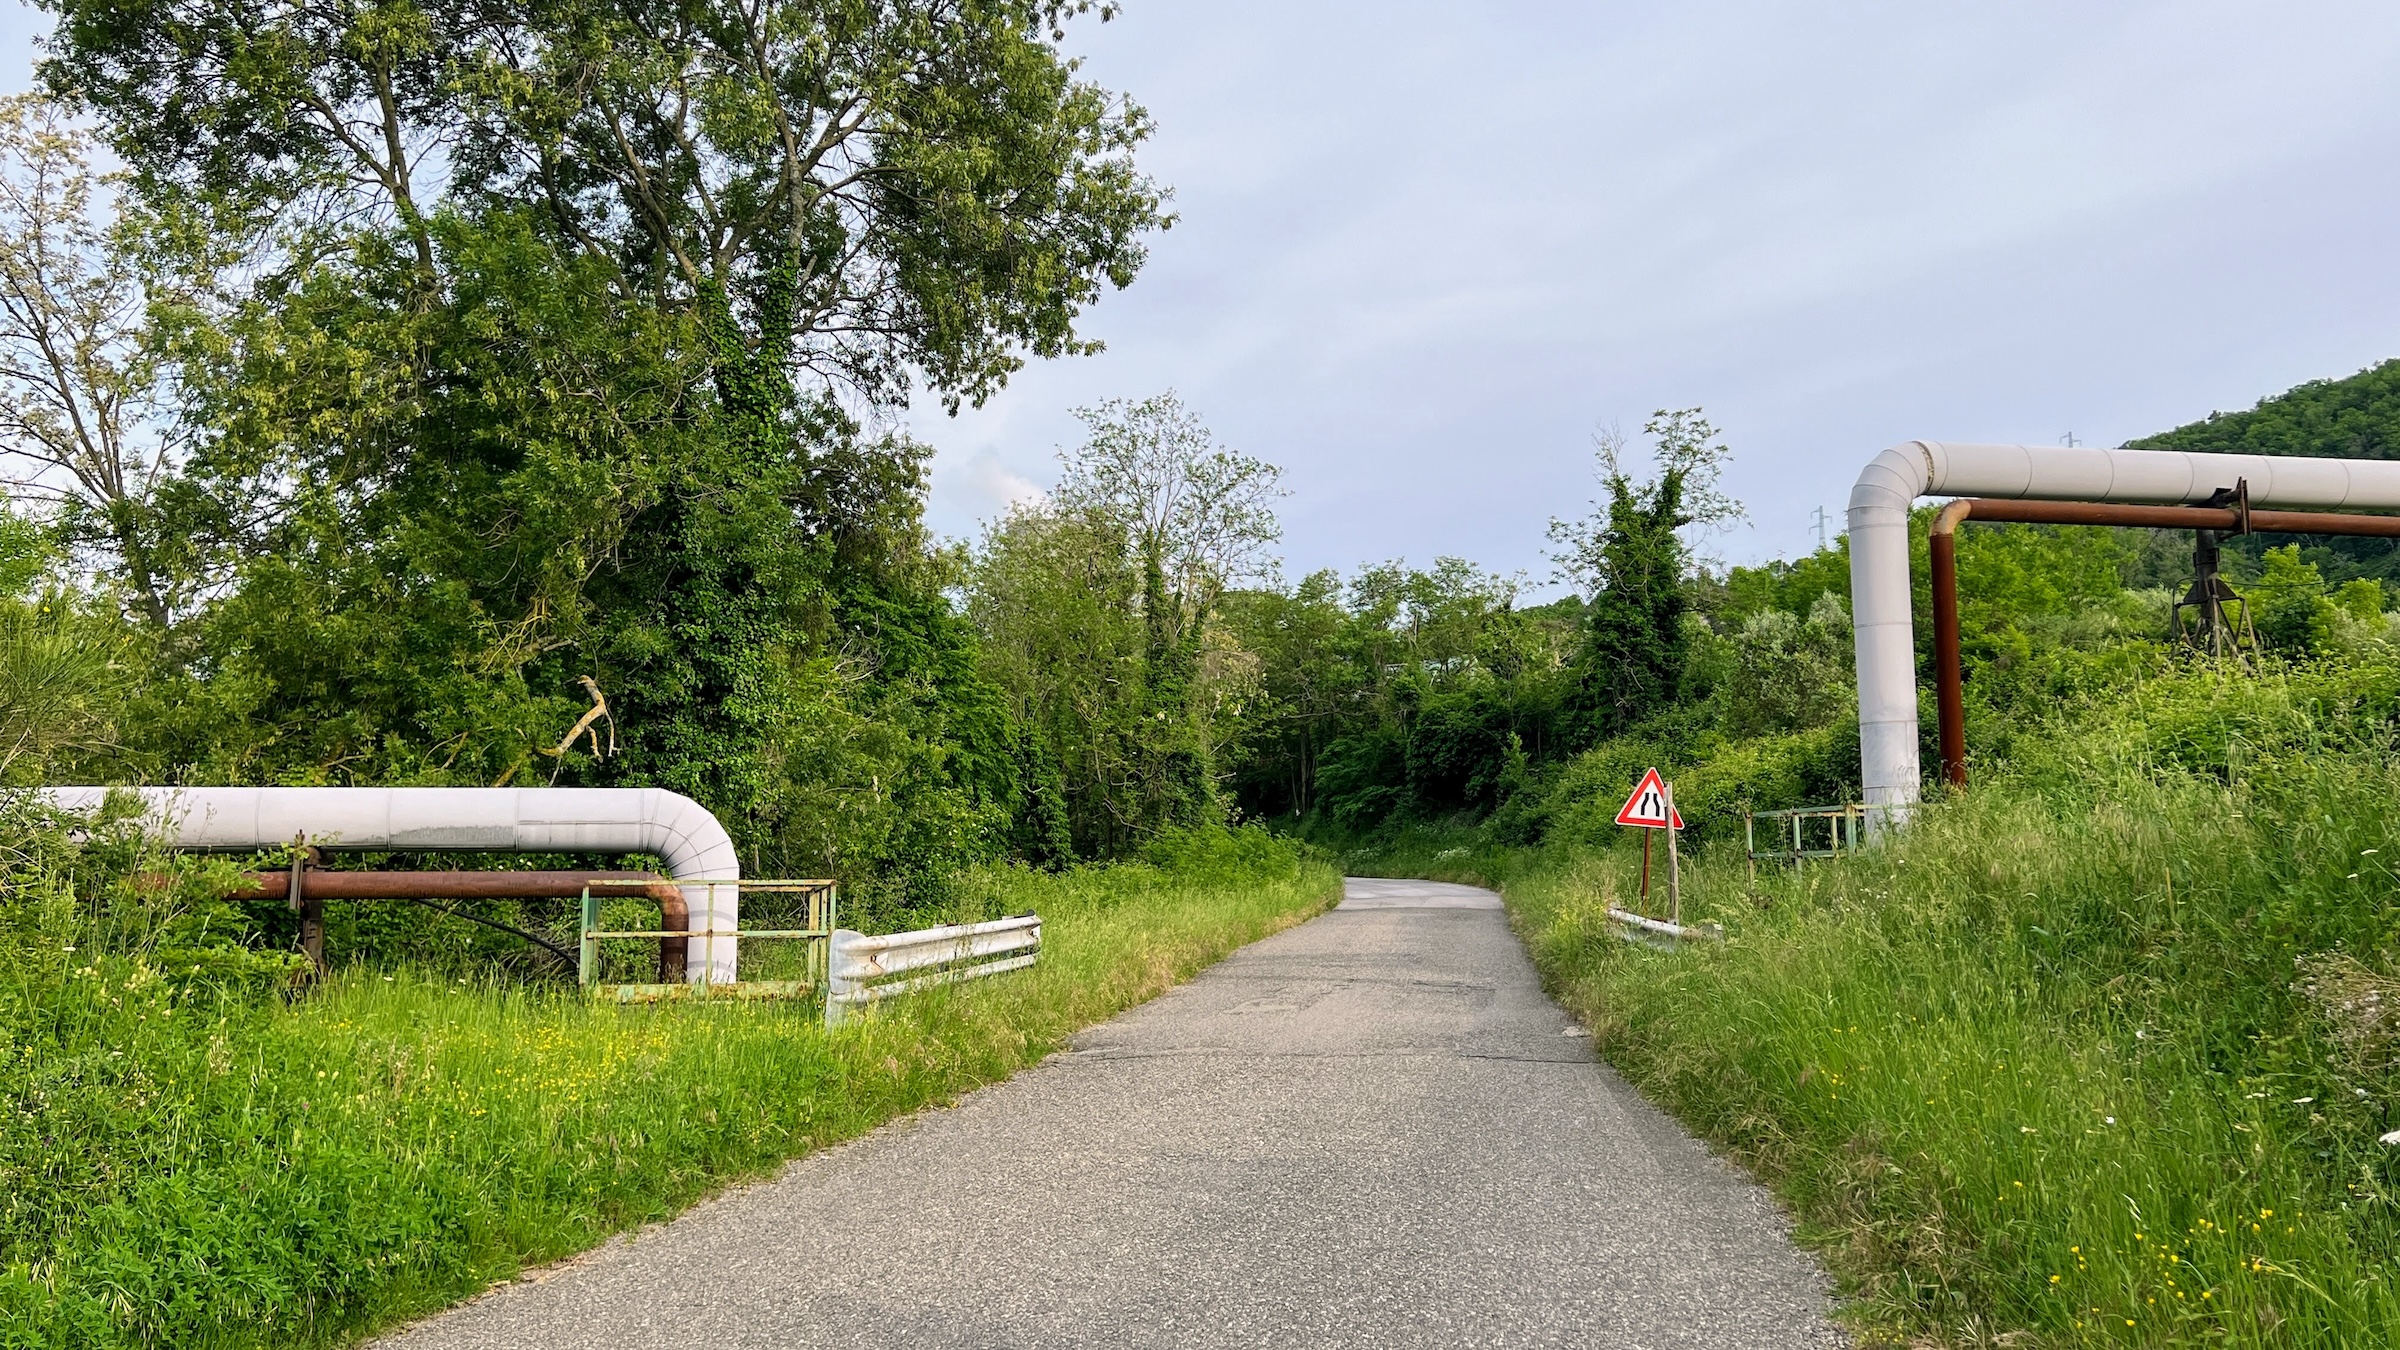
{"points": [[1196, 518], [1632, 561]]}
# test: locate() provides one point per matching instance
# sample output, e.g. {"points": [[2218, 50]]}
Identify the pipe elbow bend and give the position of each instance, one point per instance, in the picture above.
{"points": [[1892, 481], [688, 837]]}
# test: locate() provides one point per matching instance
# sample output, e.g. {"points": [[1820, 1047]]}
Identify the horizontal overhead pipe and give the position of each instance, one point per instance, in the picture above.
{"points": [[1950, 694], [676, 829], [2079, 477], [315, 884]]}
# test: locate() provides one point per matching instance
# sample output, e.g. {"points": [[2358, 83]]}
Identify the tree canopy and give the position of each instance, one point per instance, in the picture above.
{"points": [[512, 346]]}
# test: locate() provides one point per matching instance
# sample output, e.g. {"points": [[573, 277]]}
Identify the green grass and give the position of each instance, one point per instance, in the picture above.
{"points": [[2096, 1054], [185, 1167]]}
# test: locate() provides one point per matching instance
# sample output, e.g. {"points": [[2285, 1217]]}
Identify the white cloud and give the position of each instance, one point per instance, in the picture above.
{"points": [[982, 487]]}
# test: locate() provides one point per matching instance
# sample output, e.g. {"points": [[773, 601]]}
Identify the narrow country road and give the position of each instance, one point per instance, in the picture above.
{"points": [[1371, 1130]]}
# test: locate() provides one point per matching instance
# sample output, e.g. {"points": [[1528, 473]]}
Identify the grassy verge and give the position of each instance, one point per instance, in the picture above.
{"points": [[2098, 1057], [187, 1167]]}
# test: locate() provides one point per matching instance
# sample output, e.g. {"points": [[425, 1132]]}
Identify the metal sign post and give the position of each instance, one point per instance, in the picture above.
{"points": [[1652, 807]]}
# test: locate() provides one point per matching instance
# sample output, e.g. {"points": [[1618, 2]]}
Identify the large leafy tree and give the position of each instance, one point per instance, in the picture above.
{"points": [[87, 438], [863, 188], [553, 339]]}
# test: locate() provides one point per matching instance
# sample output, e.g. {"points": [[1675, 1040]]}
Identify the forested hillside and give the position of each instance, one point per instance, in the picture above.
{"points": [[2354, 418]]}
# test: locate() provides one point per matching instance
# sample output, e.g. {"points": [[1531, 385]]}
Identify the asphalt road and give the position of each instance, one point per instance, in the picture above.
{"points": [[1371, 1130]]}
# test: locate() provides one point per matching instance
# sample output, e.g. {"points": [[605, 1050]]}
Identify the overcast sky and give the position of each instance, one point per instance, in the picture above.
{"points": [[1425, 250]]}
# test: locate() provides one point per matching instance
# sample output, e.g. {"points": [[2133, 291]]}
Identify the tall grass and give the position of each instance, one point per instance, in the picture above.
{"points": [[184, 1164], [2096, 1054]]}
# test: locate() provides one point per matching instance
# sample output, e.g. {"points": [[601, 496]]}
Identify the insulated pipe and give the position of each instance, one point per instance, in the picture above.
{"points": [[465, 820], [1893, 480]]}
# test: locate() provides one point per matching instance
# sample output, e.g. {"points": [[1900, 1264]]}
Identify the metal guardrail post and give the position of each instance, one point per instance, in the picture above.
{"points": [[840, 989], [587, 967]]}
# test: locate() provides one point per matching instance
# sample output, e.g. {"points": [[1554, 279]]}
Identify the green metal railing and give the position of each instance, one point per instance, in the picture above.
{"points": [[793, 978], [1844, 829]]}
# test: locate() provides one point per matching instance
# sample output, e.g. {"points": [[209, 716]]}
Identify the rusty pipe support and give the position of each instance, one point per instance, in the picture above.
{"points": [[1879, 533], [1950, 691], [318, 886], [1941, 539]]}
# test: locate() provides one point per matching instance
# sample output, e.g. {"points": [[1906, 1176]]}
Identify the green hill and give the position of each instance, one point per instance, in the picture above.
{"points": [[2354, 418]]}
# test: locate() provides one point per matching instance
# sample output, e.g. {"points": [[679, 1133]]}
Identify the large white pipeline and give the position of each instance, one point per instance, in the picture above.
{"points": [[1892, 482], [465, 820]]}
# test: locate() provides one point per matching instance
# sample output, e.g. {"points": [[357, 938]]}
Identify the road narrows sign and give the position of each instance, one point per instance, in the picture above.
{"points": [[1647, 807]]}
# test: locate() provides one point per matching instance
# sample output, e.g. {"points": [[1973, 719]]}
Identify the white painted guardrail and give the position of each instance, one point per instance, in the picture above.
{"points": [[859, 967], [1659, 933]]}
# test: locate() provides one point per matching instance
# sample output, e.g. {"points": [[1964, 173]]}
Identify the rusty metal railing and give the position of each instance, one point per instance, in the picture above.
{"points": [[802, 976]]}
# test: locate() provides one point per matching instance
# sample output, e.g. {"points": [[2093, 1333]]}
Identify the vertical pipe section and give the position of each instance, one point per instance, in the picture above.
{"points": [[1950, 690], [1885, 633]]}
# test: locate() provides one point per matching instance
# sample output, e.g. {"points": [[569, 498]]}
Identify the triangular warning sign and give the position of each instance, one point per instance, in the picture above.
{"points": [[1647, 807]]}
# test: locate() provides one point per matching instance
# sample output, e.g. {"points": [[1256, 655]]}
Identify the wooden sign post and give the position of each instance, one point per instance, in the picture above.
{"points": [[1652, 807]]}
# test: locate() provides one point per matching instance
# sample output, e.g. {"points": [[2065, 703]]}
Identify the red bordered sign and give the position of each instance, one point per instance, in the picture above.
{"points": [[1647, 807]]}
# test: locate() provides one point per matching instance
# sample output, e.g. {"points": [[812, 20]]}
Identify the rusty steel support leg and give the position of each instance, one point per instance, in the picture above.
{"points": [[673, 916], [311, 908], [1950, 693]]}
